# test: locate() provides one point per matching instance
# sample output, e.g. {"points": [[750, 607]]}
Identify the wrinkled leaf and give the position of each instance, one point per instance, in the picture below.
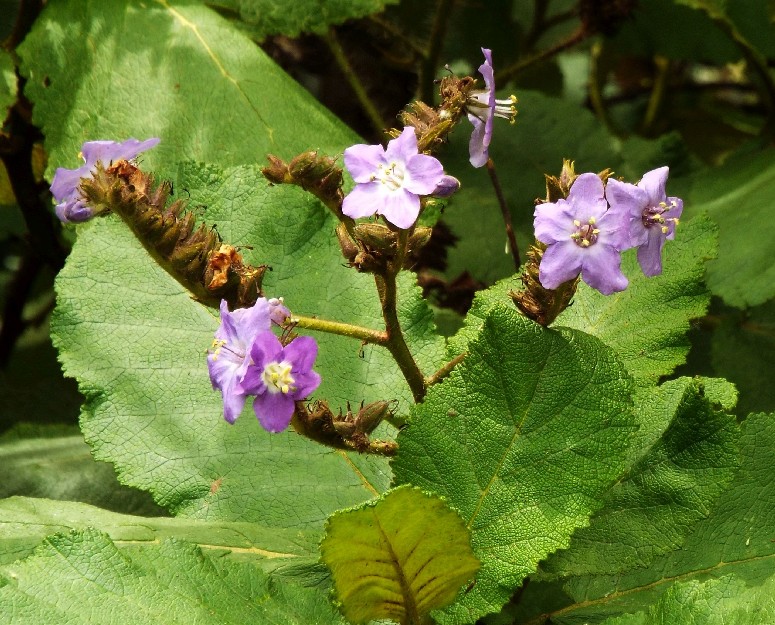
{"points": [[387, 565], [668, 488], [522, 439], [83, 577]]}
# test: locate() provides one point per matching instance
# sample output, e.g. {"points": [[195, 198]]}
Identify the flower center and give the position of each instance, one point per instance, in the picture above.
{"points": [[478, 104], [391, 175], [278, 379], [585, 235], [655, 216]]}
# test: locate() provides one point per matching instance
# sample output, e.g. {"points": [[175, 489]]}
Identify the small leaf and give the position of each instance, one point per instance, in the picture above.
{"points": [[7, 83], [388, 563]]}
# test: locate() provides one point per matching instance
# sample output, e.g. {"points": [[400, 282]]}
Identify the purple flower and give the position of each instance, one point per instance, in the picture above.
{"points": [[448, 186], [652, 215], [65, 185], [280, 376], [278, 312], [229, 358], [390, 181], [482, 108], [582, 237]]}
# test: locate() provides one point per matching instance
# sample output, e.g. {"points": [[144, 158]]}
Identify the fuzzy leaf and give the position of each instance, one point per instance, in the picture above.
{"points": [[669, 486], [645, 324], [387, 565], [83, 577], [278, 17], [737, 197], [522, 439], [735, 539]]}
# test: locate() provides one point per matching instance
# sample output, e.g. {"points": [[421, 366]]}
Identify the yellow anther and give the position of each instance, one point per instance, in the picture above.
{"points": [[577, 223], [585, 243], [665, 229], [592, 221]]}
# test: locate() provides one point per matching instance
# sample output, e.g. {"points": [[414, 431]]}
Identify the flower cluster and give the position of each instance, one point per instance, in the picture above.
{"points": [[586, 233], [65, 186], [247, 359]]}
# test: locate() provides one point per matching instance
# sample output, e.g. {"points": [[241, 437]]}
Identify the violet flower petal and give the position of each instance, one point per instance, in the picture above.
{"points": [[561, 262], [302, 352], [423, 174], [477, 148], [363, 200], [401, 208], [602, 270], [274, 411], [363, 160], [112, 151]]}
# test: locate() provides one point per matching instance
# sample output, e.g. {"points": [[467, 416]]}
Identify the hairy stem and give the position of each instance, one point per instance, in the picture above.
{"points": [[366, 335], [396, 344], [504, 212], [355, 83], [445, 370]]}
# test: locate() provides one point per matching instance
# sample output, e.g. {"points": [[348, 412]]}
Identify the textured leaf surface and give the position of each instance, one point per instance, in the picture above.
{"points": [[99, 70], [25, 521], [522, 438], [278, 17], [736, 539], [82, 577], [669, 487], [55, 463], [737, 196], [150, 409], [725, 601], [386, 564], [645, 324]]}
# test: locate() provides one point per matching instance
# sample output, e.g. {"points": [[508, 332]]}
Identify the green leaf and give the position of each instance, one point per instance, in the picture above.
{"points": [[54, 462], [725, 601], [7, 83], [82, 577], [668, 488], [25, 521], [387, 565], [278, 17], [169, 70], [737, 197], [736, 539], [645, 324], [523, 438]]}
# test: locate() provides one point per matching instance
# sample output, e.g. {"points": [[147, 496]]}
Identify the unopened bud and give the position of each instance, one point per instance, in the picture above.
{"points": [[419, 238], [447, 186], [349, 249], [276, 171], [376, 237], [371, 415], [278, 312]]}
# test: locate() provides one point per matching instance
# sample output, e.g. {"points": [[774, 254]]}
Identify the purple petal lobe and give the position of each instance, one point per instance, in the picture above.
{"points": [[401, 208], [561, 262], [423, 174], [653, 183], [302, 352], [650, 253], [601, 270], [477, 149], [274, 411], [364, 200], [111, 151], [553, 222], [306, 383], [403, 147], [66, 181], [363, 161]]}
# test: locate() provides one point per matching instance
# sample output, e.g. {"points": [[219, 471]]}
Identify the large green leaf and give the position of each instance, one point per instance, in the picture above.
{"points": [[83, 577], [174, 70], [738, 197], [279, 17], [736, 539], [724, 601], [668, 488], [523, 439], [387, 565], [645, 324], [54, 462]]}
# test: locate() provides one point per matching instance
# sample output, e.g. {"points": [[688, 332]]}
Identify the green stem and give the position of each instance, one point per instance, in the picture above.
{"points": [[342, 329], [396, 344], [435, 44], [355, 83], [445, 370], [505, 212], [657, 92]]}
